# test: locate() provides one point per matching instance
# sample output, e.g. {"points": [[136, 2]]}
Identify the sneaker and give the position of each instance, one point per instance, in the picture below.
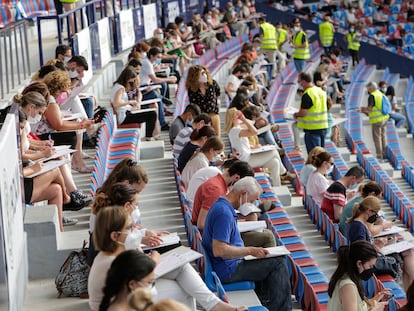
{"points": [[69, 221], [288, 177], [81, 195], [165, 127]]}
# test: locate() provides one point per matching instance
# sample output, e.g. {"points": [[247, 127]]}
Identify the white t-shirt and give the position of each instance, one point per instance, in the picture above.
{"points": [[316, 186], [198, 179], [147, 69], [240, 144], [236, 83], [198, 162], [97, 279], [121, 111]]}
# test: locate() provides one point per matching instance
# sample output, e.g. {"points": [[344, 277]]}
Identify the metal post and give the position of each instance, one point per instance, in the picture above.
{"points": [[17, 54], [39, 42]]}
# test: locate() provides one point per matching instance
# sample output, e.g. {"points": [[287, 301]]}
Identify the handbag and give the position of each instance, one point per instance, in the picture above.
{"points": [[388, 265]]}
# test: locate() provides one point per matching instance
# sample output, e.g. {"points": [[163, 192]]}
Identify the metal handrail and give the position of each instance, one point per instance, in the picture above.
{"points": [[14, 43]]}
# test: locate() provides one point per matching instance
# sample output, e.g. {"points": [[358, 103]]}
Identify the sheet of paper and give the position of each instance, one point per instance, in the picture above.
{"points": [[245, 226], [48, 166], [72, 116], [290, 111], [392, 230], [174, 259], [337, 121], [247, 209], [263, 149], [60, 152], [273, 252], [76, 91], [169, 239], [143, 110], [397, 247]]}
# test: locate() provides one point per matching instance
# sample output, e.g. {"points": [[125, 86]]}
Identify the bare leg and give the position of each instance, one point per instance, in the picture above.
{"points": [[156, 131], [68, 178], [408, 269], [43, 189], [77, 159]]}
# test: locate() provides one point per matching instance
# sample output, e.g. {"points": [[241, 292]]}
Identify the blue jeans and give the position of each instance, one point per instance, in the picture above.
{"points": [[267, 138], [152, 95], [314, 138], [299, 64], [271, 277], [398, 118]]}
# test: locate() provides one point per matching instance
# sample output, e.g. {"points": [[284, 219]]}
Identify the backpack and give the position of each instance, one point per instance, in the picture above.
{"points": [[72, 279], [386, 105]]}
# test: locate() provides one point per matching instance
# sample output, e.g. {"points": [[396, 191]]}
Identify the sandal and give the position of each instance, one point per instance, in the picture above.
{"points": [[83, 170]]}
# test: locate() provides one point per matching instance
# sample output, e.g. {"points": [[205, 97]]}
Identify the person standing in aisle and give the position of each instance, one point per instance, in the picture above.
{"points": [[269, 42], [326, 34], [301, 45]]}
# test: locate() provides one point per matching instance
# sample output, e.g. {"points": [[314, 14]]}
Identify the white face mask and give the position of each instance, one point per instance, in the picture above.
{"points": [[330, 170], [73, 74], [136, 216], [203, 78], [296, 29], [66, 59], [133, 240], [34, 120], [153, 290], [161, 36]]}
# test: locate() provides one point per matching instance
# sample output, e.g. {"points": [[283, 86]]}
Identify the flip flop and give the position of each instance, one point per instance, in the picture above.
{"points": [[83, 169]]}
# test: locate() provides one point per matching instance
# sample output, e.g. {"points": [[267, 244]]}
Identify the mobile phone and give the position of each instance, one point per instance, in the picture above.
{"points": [[387, 297]]}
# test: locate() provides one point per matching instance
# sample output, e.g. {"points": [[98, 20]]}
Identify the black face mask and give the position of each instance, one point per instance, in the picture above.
{"points": [[373, 218], [366, 274]]}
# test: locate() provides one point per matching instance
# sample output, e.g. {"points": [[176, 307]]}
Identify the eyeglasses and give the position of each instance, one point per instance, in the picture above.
{"points": [[331, 163]]}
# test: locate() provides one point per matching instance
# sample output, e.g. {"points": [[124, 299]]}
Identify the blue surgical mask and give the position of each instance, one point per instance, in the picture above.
{"points": [[251, 93], [189, 123], [353, 186], [157, 61]]}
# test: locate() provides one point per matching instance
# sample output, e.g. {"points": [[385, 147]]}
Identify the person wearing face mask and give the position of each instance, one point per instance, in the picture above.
{"points": [[128, 111], [208, 153], [219, 185], [326, 33], [204, 91], [130, 285], [301, 45], [317, 182], [223, 244], [53, 126], [371, 188], [355, 264], [335, 197], [364, 215], [234, 80], [353, 38], [185, 119], [114, 234], [63, 53]]}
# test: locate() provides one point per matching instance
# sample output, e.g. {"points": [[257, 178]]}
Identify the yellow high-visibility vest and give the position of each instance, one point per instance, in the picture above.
{"points": [[269, 37], [281, 36], [300, 53], [317, 116], [352, 43], [326, 33], [376, 116]]}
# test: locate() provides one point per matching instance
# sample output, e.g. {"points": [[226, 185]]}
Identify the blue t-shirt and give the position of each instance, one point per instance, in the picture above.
{"points": [[347, 213], [357, 231], [221, 225]]}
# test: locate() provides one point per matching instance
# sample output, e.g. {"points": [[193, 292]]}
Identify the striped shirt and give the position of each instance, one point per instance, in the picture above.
{"points": [[182, 138], [335, 194]]}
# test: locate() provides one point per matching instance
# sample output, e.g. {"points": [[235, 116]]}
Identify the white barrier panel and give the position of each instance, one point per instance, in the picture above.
{"points": [[84, 49], [104, 41], [126, 22], [150, 19], [173, 11], [11, 206]]}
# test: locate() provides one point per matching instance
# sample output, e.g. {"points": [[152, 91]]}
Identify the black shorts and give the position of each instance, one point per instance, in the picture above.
{"points": [[28, 190]]}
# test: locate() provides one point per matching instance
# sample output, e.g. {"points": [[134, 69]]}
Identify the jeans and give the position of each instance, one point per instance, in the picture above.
{"points": [[314, 138], [152, 95], [271, 279], [267, 138], [299, 64], [398, 118]]}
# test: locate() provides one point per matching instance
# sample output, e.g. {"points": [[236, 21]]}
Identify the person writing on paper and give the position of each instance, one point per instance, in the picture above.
{"points": [[217, 186], [317, 182], [364, 215], [355, 264], [114, 233], [48, 186], [334, 198], [239, 129], [209, 152], [128, 111], [52, 125], [225, 248], [371, 188]]}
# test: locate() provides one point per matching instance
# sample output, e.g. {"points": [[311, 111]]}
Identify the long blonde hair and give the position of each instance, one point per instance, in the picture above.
{"points": [[230, 114], [368, 203]]}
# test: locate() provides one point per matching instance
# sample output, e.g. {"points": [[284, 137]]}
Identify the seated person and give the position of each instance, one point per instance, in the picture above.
{"points": [[183, 137], [225, 248], [317, 182], [336, 195], [234, 80], [183, 120]]}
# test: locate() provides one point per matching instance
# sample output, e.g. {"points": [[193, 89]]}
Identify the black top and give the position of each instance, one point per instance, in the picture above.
{"points": [[207, 102]]}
